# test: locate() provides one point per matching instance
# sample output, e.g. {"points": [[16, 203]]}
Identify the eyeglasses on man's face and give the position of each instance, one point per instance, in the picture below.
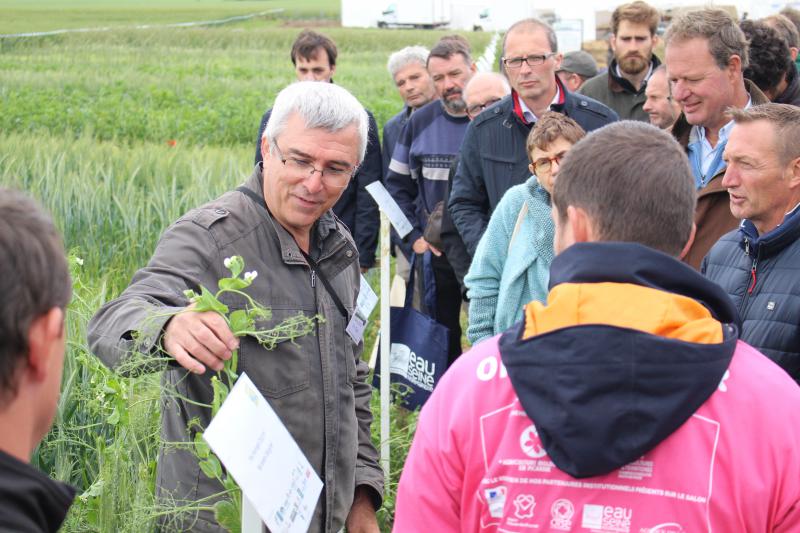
{"points": [[532, 60], [475, 110], [331, 177]]}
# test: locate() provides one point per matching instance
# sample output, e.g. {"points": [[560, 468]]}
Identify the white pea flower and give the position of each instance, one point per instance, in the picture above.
{"points": [[250, 276], [227, 262], [79, 261]]}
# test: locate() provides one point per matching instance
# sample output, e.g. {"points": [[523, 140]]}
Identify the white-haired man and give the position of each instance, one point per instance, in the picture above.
{"points": [[280, 222], [413, 81]]}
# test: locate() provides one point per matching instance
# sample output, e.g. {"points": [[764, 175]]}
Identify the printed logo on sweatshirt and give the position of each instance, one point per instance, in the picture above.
{"points": [[496, 500], [607, 518], [562, 512], [531, 444]]}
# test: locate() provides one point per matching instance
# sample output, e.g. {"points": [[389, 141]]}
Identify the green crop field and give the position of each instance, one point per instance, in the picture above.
{"points": [[118, 133]]}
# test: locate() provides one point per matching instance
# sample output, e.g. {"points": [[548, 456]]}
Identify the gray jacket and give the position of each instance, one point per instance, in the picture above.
{"points": [[316, 384]]}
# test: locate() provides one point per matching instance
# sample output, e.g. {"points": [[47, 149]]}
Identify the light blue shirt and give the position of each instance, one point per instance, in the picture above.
{"points": [[709, 157]]}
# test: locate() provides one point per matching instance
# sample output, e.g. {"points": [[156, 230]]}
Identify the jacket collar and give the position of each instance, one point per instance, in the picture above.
{"points": [[618, 84], [601, 393], [772, 242]]}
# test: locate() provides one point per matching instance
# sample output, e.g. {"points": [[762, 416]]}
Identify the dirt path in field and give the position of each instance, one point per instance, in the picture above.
{"points": [[220, 22]]}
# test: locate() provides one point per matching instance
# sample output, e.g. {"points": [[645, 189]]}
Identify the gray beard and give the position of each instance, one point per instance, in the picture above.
{"points": [[457, 107]]}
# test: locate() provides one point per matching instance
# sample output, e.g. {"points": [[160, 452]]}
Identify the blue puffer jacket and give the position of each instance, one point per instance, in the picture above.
{"points": [[762, 276], [494, 159]]}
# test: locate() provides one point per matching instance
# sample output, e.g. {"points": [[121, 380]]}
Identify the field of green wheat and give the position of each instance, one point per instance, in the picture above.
{"points": [[118, 132]]}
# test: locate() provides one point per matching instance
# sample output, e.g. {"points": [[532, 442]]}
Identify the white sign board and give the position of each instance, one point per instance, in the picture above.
{"points": [[264, 459]]}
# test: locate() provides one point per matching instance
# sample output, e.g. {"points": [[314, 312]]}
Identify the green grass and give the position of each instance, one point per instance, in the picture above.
{"points": [[87, 122], [20, 16], [197, 86]]}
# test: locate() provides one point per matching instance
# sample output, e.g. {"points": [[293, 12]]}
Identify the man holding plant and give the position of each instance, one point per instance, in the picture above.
{"points": [[303, 261]]}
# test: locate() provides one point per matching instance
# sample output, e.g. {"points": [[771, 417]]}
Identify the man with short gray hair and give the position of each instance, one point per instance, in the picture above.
{"points": [[706, 53], [280, 222], [757, 263], [413, 81]]}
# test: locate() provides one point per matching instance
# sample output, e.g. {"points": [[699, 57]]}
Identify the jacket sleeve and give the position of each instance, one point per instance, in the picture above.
{"points": [[469, 204], [483, 278], [367, 217], [261, 129], [403, 188], [429, 492], [133, 322], [454, 249]]}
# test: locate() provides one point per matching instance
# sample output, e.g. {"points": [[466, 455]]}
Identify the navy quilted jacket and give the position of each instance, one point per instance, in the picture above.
{"points": [[762, 276]]}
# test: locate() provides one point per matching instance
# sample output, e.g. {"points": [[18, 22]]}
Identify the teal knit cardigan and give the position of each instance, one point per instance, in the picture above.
{"points": [[506, 274]]}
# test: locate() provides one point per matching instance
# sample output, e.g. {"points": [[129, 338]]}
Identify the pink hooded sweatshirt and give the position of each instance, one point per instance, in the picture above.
{"points": [[608, 370]]}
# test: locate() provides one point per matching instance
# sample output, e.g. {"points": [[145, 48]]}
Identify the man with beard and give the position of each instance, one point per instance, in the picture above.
{"points": [[623, 85], [417, 176], [659, 105]]}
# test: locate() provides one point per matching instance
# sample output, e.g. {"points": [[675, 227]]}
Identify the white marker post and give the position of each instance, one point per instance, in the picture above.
{"points": [[385, 339], [390, 213]]}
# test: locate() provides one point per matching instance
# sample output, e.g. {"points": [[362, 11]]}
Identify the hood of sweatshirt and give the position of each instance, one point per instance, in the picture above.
{"points": [[630, 343]]}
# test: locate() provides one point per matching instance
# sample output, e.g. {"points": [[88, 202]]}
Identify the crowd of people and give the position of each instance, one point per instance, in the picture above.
{"points": [[626, 241]]}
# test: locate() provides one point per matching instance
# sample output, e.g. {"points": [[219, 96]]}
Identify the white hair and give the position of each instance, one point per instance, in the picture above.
{"points": [[321, 106], [407, 56]]}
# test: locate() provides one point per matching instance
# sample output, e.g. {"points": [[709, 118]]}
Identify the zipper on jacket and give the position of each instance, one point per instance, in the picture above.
{"points": [[313, 277], [752, 276]]}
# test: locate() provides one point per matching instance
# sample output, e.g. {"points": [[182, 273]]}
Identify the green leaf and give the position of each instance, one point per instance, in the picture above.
{"points": [[208, 302], [201, 448], [228, 516], [229, 483], [240, 321], [114, 418], [211, 467], [235, 284]]}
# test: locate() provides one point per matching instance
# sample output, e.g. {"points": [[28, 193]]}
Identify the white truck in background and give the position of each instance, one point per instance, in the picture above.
{"points": [[425, 14]]}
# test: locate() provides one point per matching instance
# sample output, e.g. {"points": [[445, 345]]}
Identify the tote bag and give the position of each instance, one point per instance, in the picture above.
{"points": [[419, 346]]}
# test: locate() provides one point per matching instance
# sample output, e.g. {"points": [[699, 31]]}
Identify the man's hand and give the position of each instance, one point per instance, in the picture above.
{"points": [[362, 514], [421, 246], [199, 340]]}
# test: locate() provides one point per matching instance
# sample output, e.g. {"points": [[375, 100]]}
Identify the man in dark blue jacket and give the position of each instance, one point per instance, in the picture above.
{"points": [[493, 156], [314, 59], [758, 264], [408, 68]]}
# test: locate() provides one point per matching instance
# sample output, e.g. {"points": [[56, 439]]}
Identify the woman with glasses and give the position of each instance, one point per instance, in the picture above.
{"points": [[512, 261]]}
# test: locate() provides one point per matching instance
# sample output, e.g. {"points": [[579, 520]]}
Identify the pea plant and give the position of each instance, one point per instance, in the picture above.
{"points": [[242, 322]]}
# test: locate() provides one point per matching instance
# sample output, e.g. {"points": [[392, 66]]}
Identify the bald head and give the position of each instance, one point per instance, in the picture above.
{"points": [[484, 89]]}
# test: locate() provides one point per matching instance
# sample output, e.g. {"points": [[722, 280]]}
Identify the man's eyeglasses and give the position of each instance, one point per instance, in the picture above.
{"points": [[331, 177], [476, 109], [532, 60], [545, 164]]}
